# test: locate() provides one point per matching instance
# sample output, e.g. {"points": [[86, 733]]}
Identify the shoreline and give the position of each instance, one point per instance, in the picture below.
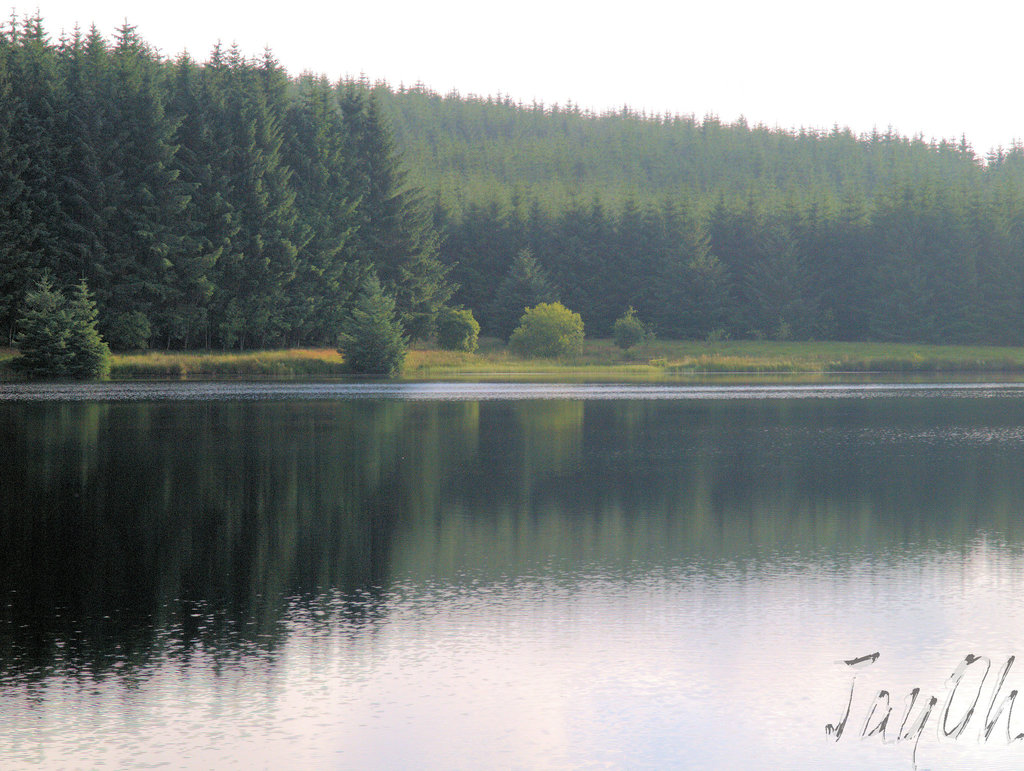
{"points": [[655, 361]]}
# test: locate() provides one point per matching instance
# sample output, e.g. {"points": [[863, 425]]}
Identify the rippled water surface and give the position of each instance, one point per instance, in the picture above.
{"points": [[510, 576]]}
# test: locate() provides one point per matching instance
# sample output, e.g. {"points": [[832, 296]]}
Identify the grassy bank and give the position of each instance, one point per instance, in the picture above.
{"points": [[298, 362], [600, 359]]}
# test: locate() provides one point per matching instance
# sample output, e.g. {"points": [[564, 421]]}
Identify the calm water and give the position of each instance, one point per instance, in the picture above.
{"points": [[494, 576]]}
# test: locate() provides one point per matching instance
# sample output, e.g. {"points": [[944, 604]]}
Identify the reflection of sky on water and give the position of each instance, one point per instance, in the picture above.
{"points": [[667, 581], [732, 667], [485, 391]]}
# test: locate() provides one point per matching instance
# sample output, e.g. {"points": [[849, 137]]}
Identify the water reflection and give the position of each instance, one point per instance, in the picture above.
{"points": [[557, 583]]}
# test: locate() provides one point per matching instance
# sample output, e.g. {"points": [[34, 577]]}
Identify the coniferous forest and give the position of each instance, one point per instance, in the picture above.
{"points": [[228, 204], [221, 204]]}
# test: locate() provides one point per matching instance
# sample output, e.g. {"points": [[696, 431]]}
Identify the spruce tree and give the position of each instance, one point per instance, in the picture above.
{"points": [[328, 273], [254, 281], [30, 156], [148, 249], [59, 339], [211, 221], [476, 247], [86, 185], [372, 341], [525, 284], [395, 231], [44, 332], [90, 355]]}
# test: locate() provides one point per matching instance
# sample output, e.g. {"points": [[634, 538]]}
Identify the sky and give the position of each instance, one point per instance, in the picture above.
{"points": [[937, 69]]}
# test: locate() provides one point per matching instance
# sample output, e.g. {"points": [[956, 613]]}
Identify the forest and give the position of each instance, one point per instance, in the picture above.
{"points": [[228, 204], [221, 204], [723, 230]]}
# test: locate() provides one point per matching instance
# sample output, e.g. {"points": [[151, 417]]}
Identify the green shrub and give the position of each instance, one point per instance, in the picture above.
{"points": [[129, 332], [717, 335], [628, 330], [457, 330], [548, 330], [372, 340]]}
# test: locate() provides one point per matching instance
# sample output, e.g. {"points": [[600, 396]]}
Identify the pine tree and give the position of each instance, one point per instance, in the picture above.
{"points": [[328, 273], [525, 284], [372, 340], [44, 333], [90, 355], [254, 280], [59, 339], [30, 211], [394, 225]]}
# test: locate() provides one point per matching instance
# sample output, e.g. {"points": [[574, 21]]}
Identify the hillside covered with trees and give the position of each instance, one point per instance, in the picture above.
{"points": [[708, 228], [227, 204]]}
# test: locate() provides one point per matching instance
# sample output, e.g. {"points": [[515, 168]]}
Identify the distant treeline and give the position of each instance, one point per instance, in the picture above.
{"points": [[219, 204], [226, 204], [708, 228]]}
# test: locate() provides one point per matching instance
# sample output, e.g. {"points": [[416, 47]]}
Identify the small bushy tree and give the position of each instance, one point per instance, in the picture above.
{"points": [[457, 330], [628, 330], [58, 339], [548, 330], [372, 340]]}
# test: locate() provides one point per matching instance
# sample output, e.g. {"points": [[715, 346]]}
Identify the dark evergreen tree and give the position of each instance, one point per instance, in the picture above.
{"points": [[394, 228], [252, 303], [59, 339], [225, 204], [690, 295], [44, 330], [30, 156], [525, 284], [88, 185], [15, 216], [143, 234], [780, 305], [208, 222], [329, 269], [479, 249]]}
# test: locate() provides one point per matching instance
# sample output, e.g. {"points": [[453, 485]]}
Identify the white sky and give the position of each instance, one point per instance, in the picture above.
{"points": [[937, 68]]}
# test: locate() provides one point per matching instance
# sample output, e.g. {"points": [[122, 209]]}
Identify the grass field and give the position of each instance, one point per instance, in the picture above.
{"points": [[671, 357], [600, 359]]}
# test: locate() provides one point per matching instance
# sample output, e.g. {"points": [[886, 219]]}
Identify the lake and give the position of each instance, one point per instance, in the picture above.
{"points": [[473, 575]]}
